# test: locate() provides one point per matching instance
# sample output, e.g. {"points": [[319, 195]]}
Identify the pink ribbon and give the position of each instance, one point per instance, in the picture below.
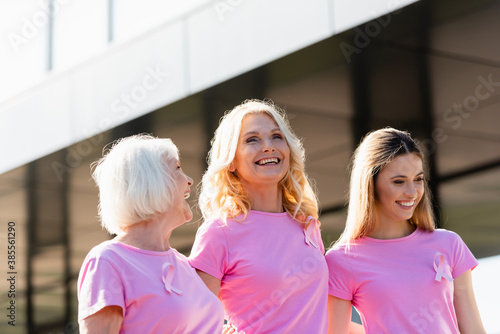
{"points": [[440, 270], [309, 231], [168, 275]]}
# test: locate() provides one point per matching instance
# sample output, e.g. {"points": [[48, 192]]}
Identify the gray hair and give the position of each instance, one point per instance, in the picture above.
{"points": [[134, 180]]}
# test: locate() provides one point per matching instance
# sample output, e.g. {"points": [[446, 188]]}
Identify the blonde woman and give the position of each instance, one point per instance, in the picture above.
{"points": [[401, 274], [260, 248], [135, 282]]}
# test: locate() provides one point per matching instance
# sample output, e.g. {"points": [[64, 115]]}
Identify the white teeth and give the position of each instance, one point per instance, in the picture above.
{"points": [[186, 195], [268, 161], [407, 203]]}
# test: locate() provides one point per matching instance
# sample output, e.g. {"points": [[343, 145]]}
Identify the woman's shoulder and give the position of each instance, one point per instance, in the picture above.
{"points": [[441, 236], [338, 250], [229, 222], [441, 233], [341, 258], [105, 250], [214, 228], [214, 223]]}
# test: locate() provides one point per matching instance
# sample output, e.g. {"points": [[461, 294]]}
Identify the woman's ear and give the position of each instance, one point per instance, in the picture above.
{"points": [[231, 167]]}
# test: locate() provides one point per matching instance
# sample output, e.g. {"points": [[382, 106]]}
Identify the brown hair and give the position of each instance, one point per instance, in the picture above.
{"points": [[377, 150]]}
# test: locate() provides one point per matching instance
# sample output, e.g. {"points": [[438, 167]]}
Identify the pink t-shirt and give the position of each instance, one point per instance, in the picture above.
{"points": [[404, 285], [159, 292], [274, 277]]}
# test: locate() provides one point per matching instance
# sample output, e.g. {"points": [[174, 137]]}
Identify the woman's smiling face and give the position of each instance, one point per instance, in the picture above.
{"points": [[399, 187], [262, 155]]}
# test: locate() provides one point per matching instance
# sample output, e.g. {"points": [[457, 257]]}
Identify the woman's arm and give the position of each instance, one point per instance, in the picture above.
{"points": [[106, 321], [212, 283], [339, 315], [355, 328], [469, 320]]}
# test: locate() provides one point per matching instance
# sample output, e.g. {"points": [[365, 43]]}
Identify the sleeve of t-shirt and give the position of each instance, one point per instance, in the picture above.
{"points": [[463, 259], [99, 285], [340, 278], [210, 252]]}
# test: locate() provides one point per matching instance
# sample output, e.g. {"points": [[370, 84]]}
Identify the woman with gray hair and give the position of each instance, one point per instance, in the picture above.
{"points": [[135, 282]]}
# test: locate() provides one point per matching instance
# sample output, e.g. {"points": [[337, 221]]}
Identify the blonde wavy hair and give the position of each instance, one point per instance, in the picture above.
{"points": [[377, 150], [222, 194]]}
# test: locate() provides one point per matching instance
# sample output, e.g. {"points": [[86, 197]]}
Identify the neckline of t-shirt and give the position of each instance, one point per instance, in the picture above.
{"points": [[274, 214], [409, 236], [140, 250]]}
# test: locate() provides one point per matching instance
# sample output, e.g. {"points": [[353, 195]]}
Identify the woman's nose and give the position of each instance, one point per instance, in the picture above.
{"points": [[411, 190], [267, 145]]}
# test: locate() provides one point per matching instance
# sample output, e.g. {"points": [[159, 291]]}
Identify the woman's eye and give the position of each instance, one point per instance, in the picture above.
{"points": [[420, 179], [399, 181], [251, 139], [277, 136]]}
